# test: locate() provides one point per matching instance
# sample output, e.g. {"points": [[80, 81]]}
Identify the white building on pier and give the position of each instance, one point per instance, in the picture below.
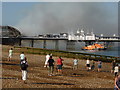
{"points": [[81, 35]]}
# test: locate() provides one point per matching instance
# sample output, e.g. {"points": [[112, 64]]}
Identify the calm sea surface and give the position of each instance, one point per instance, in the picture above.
{"points": [[113, 50]]}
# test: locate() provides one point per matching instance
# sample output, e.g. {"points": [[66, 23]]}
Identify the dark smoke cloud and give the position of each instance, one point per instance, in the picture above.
{"points": [[66, 17]]}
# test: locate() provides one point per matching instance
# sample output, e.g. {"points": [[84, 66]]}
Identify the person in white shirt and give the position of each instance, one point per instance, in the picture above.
{"points": [[22, 56], [116, 70], [87, 64], [10, 54], [46, 61], [75, 64]]}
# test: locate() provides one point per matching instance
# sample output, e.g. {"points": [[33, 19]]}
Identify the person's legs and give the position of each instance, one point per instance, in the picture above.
{"points": [[92, 68], [116, 74], [88, 67], [76, 66], [61, 69], [52, 69], [49, 70], [58, 69], [112, 70], [46, 62], [24, 75], [45, 65], [99, 68], [9, 58], [73, 67]]}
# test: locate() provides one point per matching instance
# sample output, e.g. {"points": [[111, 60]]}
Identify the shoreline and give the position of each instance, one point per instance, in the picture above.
{"points": [[68, 54]]}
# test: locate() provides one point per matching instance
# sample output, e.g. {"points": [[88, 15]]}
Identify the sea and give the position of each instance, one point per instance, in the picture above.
{"points": [[112, 50]]}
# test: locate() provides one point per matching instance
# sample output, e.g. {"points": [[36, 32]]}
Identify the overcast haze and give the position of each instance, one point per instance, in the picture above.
{"points": [[59, 17]]}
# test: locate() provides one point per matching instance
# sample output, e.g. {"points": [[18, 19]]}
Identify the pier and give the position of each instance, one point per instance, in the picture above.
{"points": [[12, 36], [69, 44]]}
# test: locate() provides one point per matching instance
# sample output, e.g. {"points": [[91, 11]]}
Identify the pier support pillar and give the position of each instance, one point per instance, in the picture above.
{"points": [[32, 43], [44, 43], [20, 42], [56, 44], [70, 45]]}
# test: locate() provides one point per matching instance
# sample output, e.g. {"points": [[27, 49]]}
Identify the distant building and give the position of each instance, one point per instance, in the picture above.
{"points": [[90, 36], [81, 35]]}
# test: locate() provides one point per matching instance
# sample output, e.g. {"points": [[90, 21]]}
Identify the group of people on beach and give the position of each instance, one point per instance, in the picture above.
{"points": [[50, 62], [92, 67], [23, 64]]}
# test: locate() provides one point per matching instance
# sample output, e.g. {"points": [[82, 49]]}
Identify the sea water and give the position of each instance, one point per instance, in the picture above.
{"points": [[113, 50]]}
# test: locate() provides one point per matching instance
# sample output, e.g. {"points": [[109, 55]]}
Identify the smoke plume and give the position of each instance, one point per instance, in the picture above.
{"points": [[60, 17]]}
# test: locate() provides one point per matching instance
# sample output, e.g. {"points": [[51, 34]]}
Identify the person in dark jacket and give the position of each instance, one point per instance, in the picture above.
{"points": [[51, 66], [24, 66]]}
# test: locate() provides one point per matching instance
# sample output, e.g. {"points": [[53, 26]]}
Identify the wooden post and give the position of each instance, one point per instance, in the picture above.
{"points": [[20, 42], [70, 45], [32, 43]]}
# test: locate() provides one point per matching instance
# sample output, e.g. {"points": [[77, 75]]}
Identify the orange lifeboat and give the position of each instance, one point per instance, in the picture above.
{"points": [[94, 47]]}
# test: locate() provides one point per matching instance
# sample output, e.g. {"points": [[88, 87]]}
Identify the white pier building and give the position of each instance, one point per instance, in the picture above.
{"points": [[81, 35]]}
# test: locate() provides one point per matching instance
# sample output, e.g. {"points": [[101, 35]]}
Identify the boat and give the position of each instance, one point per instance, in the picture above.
{"points": [[95, 46]]}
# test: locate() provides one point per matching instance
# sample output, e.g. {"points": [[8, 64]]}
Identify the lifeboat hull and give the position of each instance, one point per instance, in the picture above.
{"points": [[94, 47]]}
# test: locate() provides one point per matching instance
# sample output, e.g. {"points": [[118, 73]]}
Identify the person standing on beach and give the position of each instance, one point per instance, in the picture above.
{"points": [[75, 64], [113, 66], [59, 65], [116, 70], [46, 60], [99, 66], [87, 64], [22, 56], [24, 66], [51, 66], [10, 54], [117, 82]]}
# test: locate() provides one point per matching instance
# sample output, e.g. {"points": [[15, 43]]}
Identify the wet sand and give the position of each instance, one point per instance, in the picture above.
{"points": [[38, 74]]}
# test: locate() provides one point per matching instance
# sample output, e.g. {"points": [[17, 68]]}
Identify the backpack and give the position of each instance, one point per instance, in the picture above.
{"points": [[24, 66]]}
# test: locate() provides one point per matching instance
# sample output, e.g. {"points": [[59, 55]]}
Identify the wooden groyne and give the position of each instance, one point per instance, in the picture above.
{"points": [[67, 54]]}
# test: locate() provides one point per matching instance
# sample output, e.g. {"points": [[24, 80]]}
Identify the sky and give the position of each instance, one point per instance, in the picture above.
{"points": [[34, 18]]}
